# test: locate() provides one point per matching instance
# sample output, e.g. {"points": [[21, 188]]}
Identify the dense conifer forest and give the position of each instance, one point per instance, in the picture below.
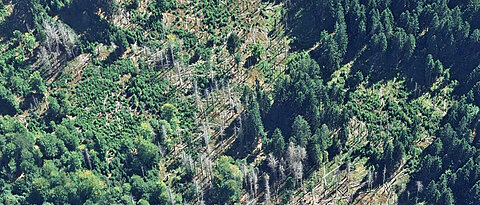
{"points": [[239, 102]]}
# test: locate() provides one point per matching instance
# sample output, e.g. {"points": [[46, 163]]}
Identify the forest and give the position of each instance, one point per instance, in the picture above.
{"points": [[239, 102]]}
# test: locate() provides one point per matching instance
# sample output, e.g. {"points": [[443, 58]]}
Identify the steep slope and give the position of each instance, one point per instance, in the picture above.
{"points": [[239, 102]]}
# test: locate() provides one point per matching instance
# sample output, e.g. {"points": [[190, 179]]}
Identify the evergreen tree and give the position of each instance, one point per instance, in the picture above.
{"points": [[374, 24], [37, 84], [300, 131], [463, 179], [252, 122], [429, 69], [398, 153], [388, 157], [70, 140], [278, 143], [233, 43], [340, 29], [474, 194], [7, 102], [388, 22], [432, 194], [410, 46], [380, 42], [328, 53], [357, 24]]}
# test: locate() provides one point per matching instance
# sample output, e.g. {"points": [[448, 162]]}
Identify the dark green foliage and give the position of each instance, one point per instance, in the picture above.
{"points": [[190, 40], [474, 194], [155, 193], [449, 167], [17, 149], [257, 52], [357, 24], [380, 42], [147, 153], [75, 188], [7, 102], [145, 94], [296, 91], [164, 5], [263, 99], [374, 24], [388, 160], [201, 52], [216, 14], [318, 145], [252, 122], [58, 106], [328, 53], [277, 145], [341, 31], [55, 5], [119, 117], [398, 153], [233, 43], [409, 22], [300, 131], [72, 161], [51, 146], [69, 137]]}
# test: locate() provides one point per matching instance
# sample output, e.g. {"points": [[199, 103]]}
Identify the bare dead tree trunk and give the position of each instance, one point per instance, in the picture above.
{"points": [[197, 97], [223, 117], [369, 179], [349, 166], [384, 174], [207, 96], [87, 155], [206, 136], [295, 156], [419, 189], [255, 182], [266, 178], [324, 177]]}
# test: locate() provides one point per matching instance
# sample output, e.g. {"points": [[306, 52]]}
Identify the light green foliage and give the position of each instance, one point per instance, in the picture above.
{"points": [[50, 146], [227, 181], [69, 137], [37, 84], [110, 102], [258, 51], [147, 153], [169, 112]]}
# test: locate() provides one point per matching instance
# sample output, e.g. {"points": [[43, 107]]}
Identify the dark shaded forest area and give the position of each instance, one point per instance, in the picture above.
{"points": [[239, 102]]}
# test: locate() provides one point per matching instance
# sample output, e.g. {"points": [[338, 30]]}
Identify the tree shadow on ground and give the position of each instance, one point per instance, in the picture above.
{"points": [[240, 148], [304, 20]]}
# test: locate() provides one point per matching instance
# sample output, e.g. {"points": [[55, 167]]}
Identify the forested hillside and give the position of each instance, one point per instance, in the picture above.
{"points": [[239, 102]]}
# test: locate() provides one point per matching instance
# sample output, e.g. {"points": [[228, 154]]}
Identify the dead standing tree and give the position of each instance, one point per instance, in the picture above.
{"points": [[295, 157], [266, 178], [206, 136]]}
